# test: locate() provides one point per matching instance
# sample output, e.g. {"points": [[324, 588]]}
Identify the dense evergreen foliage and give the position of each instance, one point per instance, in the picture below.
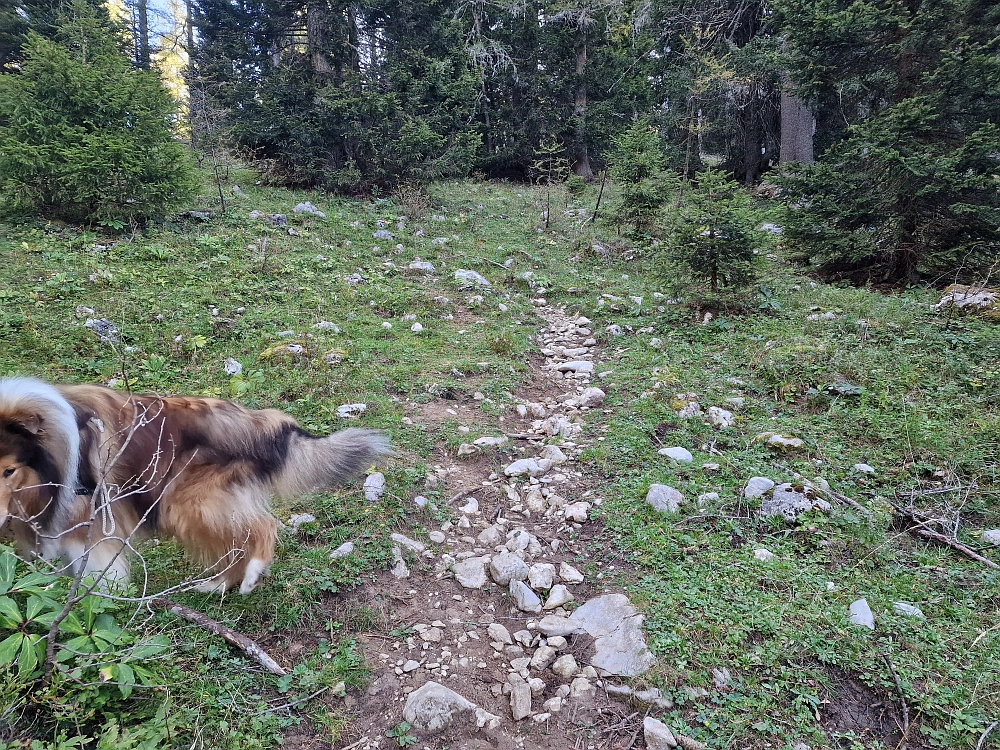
{"points": [[82, 135], [908, 187]]}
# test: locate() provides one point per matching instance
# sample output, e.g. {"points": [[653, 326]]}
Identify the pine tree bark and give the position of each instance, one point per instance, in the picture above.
{"points": [[142, 35], [581, 164], [797, 127]]}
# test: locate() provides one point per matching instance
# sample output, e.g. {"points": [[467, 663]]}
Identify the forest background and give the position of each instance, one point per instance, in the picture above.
{"points": [[899, 100]]}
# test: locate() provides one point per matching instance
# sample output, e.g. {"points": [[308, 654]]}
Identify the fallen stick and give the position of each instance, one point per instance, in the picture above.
{"points": [[902, 701], [982, 739], [247, 645], [957, 546]]}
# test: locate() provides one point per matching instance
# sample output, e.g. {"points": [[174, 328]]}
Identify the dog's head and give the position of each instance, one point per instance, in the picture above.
{"points": [[26, 468]]}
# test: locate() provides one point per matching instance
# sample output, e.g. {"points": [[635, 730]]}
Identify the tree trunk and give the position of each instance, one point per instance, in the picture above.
{"points": [[142, 35], [581, 164], [316, 38], [797, 127]]}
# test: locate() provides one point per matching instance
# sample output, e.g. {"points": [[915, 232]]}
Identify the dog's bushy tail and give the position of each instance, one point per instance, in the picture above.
{"points": [[315, 463]]}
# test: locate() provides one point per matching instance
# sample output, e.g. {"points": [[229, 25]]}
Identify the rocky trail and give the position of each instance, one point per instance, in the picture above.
{"points": [[503, 639]]}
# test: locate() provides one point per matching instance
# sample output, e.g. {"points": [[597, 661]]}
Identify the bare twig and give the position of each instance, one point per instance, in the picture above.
{"points": [[247, 645], [291, 704], [902, 701], [957, 546], [982, 739], [920, 529]]}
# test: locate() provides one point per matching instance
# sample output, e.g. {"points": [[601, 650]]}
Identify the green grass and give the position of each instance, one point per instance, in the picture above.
{"points": [[928, 399]]}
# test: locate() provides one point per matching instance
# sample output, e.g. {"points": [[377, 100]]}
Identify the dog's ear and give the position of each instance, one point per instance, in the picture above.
{"points": [[29, 421]]}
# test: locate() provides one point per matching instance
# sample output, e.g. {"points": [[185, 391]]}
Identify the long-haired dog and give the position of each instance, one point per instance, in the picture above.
{"points": [[84, 470]]}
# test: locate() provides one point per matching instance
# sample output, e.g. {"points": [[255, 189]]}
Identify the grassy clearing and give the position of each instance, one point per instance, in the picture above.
{"points": [[922, 407]]}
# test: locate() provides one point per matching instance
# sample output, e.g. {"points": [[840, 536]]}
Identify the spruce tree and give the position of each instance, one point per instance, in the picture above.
{"points": [[713, 233], [84, 137], [907, 187]]}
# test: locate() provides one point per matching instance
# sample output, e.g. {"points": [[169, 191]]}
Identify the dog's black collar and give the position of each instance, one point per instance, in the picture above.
{"points": [[83, 491]]}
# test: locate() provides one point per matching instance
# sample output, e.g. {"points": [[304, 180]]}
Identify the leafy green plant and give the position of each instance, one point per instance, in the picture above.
{"points": [[401, 734], [90, 645]]}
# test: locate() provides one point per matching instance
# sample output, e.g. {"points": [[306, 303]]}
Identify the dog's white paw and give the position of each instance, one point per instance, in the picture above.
{"points": [[256, 568]]}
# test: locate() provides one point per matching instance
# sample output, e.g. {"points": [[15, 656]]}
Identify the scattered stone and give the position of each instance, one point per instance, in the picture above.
{"points": [[309, 208], [105, 330], [576, 512], [664, 499], [470, 508], [297, 519], [471, 277], [788, 502], [343, 550], [411, 666], [410, 545], [616, 626], [558, 625], [861, 614], [864, 468], [780, 443], [232, 367], [433, 708], [499, 633], [686, 405], [374, 487], [558, 596], [349, 411], [556, 641], [530, 466], [541, 576], [471, 572], [591, 397], [416, 328], [569, 574], [654, 697], [971, 298], [537, 685], [756, 487], [565, 666], [681, 455], [657, 734], [507, 567], [577, 367], [520, 700], [465, 449], [542, 657], [326, 325], [991, 536], [490, 442], [554, 454], [764, 555], [553, 705], [491, 536], [707, 497], [438, 537], [525, 599], [581, 686], [908, 610], [720, 417]]}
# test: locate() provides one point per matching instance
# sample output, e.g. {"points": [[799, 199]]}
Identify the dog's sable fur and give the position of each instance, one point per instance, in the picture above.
{"points": [[200, 470]]}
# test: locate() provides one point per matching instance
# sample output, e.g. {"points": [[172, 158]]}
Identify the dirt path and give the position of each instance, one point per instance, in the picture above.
{"points": [[455, 616]]}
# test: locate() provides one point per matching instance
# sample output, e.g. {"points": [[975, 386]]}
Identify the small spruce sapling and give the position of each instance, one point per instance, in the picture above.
{"points": [[551, 168], [713, 234], [638, 166]]}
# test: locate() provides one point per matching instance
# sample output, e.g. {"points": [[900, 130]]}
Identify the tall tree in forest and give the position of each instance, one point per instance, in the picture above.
{"points": [[908, 188]]}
